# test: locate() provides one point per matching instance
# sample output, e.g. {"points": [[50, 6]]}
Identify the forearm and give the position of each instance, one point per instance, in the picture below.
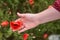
{"points": [[48, 15]]}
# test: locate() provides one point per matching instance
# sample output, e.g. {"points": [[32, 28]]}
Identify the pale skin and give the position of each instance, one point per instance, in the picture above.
{"points": [[32, 20]]}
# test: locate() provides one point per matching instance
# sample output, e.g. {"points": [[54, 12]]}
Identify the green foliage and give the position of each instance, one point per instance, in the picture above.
{"points": [[8, 10]]}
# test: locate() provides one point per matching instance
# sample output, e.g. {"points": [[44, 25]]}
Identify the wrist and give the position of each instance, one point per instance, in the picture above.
{"points": [[47, 15]]}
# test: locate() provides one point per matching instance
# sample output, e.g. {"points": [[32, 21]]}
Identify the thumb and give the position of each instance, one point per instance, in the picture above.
{"points": [[21, 15], [22, 30]]}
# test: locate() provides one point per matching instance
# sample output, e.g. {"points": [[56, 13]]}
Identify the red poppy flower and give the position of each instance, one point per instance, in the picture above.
{"points": [[4, 23], [45, 36], [25, 36], [31, 2], [15, 26]]}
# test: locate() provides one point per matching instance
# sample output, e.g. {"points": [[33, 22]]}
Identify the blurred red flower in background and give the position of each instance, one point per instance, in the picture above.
{"points": [[25, 36], [31, 2], [45, 36], [15, 26], [4, 23]]}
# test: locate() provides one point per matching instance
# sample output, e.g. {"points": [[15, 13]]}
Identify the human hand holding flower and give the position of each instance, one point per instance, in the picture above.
{"points": [[32, 20], [29, 21]]}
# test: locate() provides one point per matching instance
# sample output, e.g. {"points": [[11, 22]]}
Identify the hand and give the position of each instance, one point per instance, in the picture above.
{"points": [[32, 20], [29, 20]]}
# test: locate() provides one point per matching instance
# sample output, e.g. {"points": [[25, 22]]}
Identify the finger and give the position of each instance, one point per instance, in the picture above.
{"points": [[19, 19], [21, 15], [22, 30]]}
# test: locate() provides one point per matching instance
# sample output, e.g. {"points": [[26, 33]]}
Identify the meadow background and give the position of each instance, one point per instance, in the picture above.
{"points": [[8, 11]]}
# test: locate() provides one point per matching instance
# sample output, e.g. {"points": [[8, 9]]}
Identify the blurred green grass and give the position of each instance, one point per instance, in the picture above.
{"points": [[39, 5]]}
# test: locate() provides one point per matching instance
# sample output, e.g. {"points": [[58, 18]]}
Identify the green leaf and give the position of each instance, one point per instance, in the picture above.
{"points": [[8, 33], [1, 35]]}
